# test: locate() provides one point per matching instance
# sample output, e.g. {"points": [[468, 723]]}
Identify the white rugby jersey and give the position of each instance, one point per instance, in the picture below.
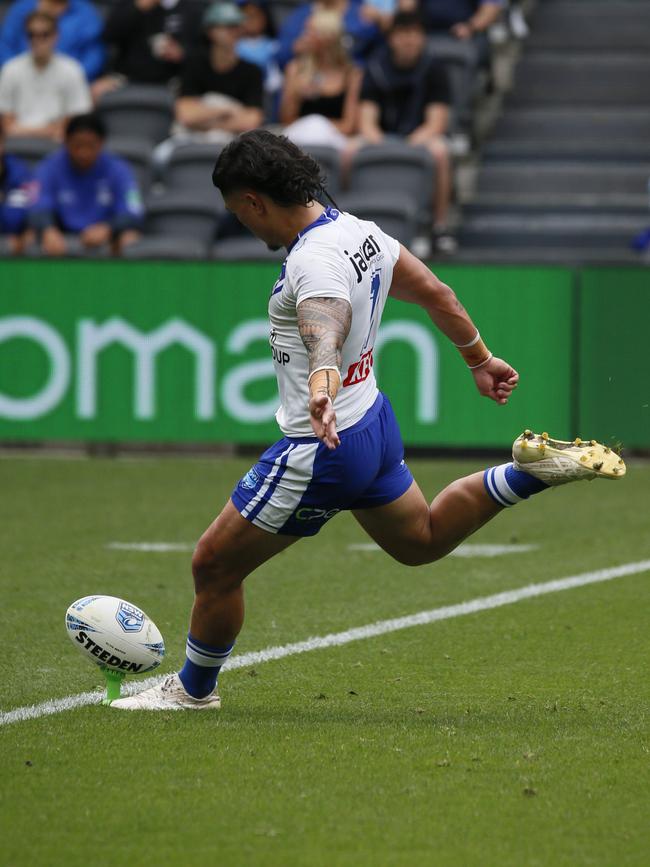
{"points": [[336, 256]]}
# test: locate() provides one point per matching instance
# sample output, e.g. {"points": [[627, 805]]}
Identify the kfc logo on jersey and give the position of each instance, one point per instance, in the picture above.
{"points": [[360, 370]]}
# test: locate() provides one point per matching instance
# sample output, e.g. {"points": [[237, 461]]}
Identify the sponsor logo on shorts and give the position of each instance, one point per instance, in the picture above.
{"points": [[306, 514], [250, 480], [130, 618], [360, 370]]}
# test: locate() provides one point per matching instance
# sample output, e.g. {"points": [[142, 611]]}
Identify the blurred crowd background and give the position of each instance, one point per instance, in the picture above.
{"points": [[479, 130]]}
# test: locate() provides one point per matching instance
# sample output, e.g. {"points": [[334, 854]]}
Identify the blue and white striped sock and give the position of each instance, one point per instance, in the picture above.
{"points": [[202, 664], [508, 486]]}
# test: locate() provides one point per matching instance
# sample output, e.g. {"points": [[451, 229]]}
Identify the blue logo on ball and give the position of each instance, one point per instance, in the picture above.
{"points": [[130, 618]]}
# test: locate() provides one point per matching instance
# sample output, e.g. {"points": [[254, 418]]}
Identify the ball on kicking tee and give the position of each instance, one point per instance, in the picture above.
{"points": [[115, 634]]}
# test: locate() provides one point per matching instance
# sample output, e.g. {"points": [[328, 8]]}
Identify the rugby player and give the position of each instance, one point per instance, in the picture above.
{"points": [[342, 447]]}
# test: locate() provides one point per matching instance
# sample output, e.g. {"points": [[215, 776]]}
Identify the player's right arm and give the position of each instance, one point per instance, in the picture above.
{"points": [[414, 283], [324, 323]]}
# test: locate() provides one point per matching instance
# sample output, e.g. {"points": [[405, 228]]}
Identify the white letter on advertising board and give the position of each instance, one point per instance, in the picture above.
{"points": [[93, 338], [426, 353], [52, 343], [236, 380]]}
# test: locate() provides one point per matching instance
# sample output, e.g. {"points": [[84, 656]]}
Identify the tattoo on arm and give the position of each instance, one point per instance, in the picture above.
{"points": [[324, 323]]}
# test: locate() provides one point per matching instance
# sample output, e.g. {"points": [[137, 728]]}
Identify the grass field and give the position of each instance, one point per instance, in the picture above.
{"points": [[513, 736]]}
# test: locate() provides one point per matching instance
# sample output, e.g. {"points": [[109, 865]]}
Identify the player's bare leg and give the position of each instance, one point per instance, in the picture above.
{"points": [[414, 532], [229, 550]]}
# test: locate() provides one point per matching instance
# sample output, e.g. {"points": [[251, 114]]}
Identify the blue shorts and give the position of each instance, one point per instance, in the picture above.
{"points": [[299, 484]]}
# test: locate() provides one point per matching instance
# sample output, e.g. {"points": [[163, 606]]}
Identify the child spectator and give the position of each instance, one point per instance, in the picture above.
{"points": [[320, 100], [405, 93], [84, 190], [16, 195], [41, 88], [79, 28]]}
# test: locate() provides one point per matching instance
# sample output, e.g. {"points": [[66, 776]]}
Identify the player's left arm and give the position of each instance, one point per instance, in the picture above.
{"points": [[324, 323], [415, 283]]}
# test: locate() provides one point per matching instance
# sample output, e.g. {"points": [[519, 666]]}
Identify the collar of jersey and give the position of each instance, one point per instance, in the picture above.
{"points": [[328, 216]]}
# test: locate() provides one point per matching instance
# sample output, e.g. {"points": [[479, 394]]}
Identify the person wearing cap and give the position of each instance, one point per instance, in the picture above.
{"points": [[219, 92], [79, 28]]}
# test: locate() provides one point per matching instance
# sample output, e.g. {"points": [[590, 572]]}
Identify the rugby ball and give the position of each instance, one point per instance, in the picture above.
{"points": [[115, 634]]}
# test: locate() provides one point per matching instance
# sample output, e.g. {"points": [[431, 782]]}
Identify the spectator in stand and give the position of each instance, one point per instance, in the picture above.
{"points": [[79, 31], [84, 190], [405, 93], [362, 24], [220, 94], [257, 43], [320, 100], [40, 89], [16, 195], [151, 39], [464, 20]]}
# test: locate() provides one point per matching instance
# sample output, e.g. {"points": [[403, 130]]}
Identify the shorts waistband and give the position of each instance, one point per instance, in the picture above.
{"points": [[367, 418]]}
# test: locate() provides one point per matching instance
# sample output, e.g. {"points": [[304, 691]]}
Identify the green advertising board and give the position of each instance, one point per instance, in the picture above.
{"points": [[614, 360], [161, 352]]}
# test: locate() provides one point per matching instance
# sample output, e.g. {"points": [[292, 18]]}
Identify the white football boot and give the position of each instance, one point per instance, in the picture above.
{"points": [[557, 462], [168, 695]]}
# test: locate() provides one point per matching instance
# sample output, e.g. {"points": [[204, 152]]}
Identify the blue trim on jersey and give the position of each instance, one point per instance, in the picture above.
{"points": [[329, 215]]}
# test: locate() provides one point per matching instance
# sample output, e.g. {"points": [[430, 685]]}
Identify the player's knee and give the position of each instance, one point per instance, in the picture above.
{"points": [[210, 570]]}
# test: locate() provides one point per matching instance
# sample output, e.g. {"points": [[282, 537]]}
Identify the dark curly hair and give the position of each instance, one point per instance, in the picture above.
{"points": [[269, 164]]}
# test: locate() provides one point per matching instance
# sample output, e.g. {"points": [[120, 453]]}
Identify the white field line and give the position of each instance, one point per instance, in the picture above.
{"points": [[466, 550], [336, 639], [147, 547]]}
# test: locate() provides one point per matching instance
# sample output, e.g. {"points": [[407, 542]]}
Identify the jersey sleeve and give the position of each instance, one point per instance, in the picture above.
{"points": [[314, 272]]}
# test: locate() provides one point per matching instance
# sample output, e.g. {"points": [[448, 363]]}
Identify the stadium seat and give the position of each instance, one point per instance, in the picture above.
{"points": [[30, 149], [137, 154], [181, 217], [329, 161], [466, 80], [395, 167], [138, 111], [246, 249], [397, 215], [166, 248], [189, 170]]}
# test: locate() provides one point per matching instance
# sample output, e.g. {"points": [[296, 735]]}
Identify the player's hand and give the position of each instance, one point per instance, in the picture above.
{"points": [[496, 380], [323, 420]]}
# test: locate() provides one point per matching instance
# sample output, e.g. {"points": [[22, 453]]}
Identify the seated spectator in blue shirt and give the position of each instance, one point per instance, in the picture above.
{"points": [[79, 25], [358, 23], [16, 194], [465, 20], [84, 190]]}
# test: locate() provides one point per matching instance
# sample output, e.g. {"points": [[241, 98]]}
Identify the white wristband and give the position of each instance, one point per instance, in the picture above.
{"points": [[324, 367], [472, 342], [482, 363]]}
